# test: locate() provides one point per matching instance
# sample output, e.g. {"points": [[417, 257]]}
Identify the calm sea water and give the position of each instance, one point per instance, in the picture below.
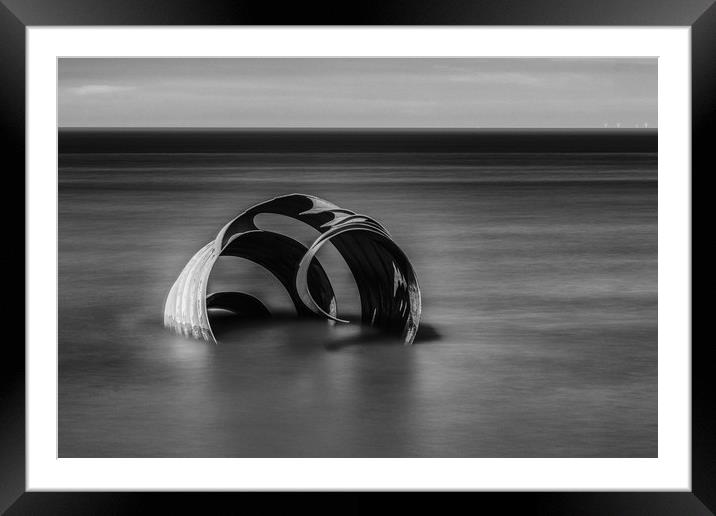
{"points": [[539, 281]]}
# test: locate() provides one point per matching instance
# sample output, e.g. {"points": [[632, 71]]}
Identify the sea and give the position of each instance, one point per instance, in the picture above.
{"points": [[536, 254]]}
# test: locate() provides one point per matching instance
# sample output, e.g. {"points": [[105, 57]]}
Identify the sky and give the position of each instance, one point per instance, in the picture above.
{"points": [[358, 92]]}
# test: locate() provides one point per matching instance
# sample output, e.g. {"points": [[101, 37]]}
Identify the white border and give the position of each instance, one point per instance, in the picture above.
{"points": [[671, 470]]}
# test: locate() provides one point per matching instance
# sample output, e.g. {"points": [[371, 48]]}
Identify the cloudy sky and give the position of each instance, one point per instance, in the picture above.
{"points": [[370, 92]]}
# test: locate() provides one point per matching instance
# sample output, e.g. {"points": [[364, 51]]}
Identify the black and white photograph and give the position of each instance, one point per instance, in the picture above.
{"points": [[357, 257]]}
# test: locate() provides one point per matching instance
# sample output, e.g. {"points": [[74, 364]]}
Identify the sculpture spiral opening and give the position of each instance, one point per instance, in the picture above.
{"points": [[387, 284]]}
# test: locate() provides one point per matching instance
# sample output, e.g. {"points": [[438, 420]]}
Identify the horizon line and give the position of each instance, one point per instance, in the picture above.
{"points": [[361, 128]]}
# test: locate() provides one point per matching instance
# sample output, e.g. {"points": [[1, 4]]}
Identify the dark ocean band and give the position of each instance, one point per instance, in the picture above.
{"points": [[355, 140]]}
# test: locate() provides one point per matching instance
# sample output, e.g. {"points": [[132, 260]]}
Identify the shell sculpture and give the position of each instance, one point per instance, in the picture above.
{"points": [[388, 287]]}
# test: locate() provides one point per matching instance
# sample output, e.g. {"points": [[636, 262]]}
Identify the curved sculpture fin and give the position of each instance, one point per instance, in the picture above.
{"points": [[388, 287], [387, 284], [281, 256]]}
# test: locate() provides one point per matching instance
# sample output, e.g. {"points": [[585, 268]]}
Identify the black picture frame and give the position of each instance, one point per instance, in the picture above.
{"points": [[17, 15]]}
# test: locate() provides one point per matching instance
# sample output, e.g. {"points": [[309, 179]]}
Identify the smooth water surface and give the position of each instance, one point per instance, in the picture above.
{"points": [[539, 281]]}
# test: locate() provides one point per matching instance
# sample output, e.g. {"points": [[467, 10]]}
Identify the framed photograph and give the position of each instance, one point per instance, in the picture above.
{"points": [[426, 252]]}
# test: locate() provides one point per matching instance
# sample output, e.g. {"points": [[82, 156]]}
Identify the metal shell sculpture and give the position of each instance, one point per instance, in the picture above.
{"points": [[387, 285]]}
